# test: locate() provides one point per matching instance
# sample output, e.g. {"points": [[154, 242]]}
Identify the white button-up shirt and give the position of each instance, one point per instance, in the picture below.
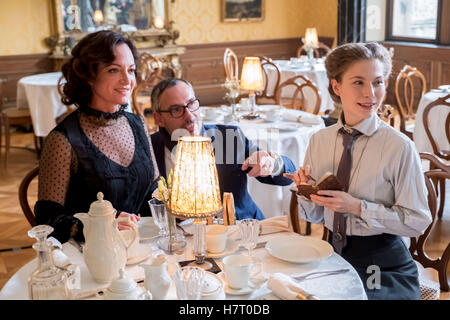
{"points": [[386, 176]]}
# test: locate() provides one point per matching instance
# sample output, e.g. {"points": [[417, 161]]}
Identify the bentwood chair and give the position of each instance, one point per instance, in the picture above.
{"points": [[150, 72], [23, 195], [301, 226], [321, 50], [267, 95], [10, 117], [410, 85], [302, 86], [444, 155], [417, 247], [231, 65]]}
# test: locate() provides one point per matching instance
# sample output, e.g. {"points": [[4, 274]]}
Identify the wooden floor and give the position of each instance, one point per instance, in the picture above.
{"points": [[14, 226]]}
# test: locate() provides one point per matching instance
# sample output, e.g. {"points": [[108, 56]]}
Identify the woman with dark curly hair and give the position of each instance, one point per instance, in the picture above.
{"points": [[99, 146]]}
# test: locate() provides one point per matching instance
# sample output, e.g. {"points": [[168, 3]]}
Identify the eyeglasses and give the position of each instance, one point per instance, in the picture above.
{"points": [[177, 111]]}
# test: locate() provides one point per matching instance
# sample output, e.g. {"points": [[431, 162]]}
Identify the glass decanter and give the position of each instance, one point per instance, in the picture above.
{"points": [[47, 282]]}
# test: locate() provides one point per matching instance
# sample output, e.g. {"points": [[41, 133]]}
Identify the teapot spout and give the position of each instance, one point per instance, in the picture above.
{"points": [[84, 219]]}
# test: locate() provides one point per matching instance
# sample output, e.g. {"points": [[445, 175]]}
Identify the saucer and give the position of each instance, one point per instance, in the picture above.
{"points": [[230, 248], [145, 251], [238, 292]]}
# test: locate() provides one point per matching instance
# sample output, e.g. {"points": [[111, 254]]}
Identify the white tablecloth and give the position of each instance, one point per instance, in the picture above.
{"points": [[318, 76], [40, 94], [437, 118], [274, 200], [346, 286]]}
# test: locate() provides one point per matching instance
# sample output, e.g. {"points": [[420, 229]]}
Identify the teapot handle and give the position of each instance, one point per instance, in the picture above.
{"points": [[134, 228]]}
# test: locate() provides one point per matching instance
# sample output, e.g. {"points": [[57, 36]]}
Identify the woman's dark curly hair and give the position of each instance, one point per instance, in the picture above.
{"points": [[94, 49]]}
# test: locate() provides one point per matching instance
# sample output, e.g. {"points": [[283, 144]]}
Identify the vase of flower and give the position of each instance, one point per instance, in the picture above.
{"points": [[173, 241]]}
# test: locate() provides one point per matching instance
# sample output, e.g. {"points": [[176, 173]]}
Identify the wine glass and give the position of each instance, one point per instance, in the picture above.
{"points": [[249, 230], [159, 215]]}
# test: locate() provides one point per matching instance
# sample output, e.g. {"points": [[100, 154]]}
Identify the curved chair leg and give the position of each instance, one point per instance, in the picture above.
{"points": [[442, 201], [443, 279]]}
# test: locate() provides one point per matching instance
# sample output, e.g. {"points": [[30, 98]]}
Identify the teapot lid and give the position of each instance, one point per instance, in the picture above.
{"points": [[123, 283], [101, 207]]}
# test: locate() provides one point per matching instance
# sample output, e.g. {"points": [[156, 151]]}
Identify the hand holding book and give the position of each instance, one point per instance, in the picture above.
{"points": [[327, 182]]}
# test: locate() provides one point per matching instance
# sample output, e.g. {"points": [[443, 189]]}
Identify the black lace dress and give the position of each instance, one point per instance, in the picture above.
{"points": [[92, 151]]}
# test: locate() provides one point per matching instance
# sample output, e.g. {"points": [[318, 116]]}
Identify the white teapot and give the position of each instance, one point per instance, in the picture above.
{"points": [[125, 288], [105, 251]]}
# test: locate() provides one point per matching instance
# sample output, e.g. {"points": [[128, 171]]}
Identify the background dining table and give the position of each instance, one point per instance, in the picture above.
{"points": [[316, 73], [273, 133], [343, 286], [437, 117]]}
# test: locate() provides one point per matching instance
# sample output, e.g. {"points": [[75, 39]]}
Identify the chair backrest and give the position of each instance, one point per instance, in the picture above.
{"points": [[150, 72], [409, 81], [267, 95], [438, 171], [301, 85], [320, 51], [23, 196], [231, 64], [443, 102]]}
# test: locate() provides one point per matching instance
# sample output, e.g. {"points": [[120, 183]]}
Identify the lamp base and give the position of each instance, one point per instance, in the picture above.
{"points": [[252, 116], [172, 244], [201, 263]]}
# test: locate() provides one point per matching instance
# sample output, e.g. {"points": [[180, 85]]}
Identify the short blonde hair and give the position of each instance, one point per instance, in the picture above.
{"points": [[341, 58]]}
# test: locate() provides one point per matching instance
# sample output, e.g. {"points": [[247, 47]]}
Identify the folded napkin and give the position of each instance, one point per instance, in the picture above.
{"points": [[285, 288], [301, 116], [275, 224]]}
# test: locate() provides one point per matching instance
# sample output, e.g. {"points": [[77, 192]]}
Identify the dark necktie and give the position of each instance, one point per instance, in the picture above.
{"points": [[343, 175]]}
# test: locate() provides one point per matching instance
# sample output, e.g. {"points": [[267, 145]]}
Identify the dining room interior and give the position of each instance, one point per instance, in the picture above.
{"points": [[260, 65]]}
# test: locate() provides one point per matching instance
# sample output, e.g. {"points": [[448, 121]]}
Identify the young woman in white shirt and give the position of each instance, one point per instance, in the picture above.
{"points": [[386, 196]]}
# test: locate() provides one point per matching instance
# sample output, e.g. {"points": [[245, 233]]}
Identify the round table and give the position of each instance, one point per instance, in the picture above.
{"points": [[437, 118], [346, 286]]}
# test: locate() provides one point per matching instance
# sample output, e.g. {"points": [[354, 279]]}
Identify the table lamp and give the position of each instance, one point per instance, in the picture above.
{"points": [[311, 41], [195, 189], [252, 80]]}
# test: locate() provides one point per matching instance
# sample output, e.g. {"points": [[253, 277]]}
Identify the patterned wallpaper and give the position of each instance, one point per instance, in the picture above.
{"points": [[25, 23], [199, 21]]}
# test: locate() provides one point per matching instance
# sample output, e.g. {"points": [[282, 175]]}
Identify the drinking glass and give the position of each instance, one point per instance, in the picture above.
{"points": [[249, 230], [189, 282], [159, 215]]}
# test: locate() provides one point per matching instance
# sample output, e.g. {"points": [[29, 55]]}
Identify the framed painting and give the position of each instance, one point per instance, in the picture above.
{"points": [[242, 10]]}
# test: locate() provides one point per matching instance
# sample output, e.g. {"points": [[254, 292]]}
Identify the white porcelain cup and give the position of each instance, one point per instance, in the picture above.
{"points": [[131, 242], [239, 269], [210, 113], [216, 238]]}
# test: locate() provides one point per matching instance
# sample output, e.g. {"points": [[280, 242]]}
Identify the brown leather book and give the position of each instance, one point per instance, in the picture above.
{"points": [[328, 182]]}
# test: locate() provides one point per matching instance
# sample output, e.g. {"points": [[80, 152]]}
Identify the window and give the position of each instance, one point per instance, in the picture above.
{"points": [[413, 20]]}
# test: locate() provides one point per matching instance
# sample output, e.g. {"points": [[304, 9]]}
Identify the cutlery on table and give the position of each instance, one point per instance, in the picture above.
{"points": [[319, 274]]}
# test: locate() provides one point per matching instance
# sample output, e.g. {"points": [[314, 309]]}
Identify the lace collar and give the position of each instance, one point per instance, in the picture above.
{"points": [[104, 115]]}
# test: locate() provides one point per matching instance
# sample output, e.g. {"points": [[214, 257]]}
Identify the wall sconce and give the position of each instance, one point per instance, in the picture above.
{"points": [[252, 80], [158, 22]]}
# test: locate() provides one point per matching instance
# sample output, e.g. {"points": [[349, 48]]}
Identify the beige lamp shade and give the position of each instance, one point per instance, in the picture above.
{"points": [[251, 76], [195, 186], [311, 37]]}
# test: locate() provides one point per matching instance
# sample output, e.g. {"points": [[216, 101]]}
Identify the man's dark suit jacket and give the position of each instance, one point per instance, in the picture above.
{"points": [[231, 148]]}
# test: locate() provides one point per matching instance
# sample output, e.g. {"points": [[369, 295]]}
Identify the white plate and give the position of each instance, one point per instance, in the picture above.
{"points": [[299, 249], [230, 248], [284, 127], [147, 229], [445, 87], [238, 292], [145, 251]]}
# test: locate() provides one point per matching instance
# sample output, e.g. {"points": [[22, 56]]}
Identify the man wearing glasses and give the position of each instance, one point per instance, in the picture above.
{"points": [[176, 112]]}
